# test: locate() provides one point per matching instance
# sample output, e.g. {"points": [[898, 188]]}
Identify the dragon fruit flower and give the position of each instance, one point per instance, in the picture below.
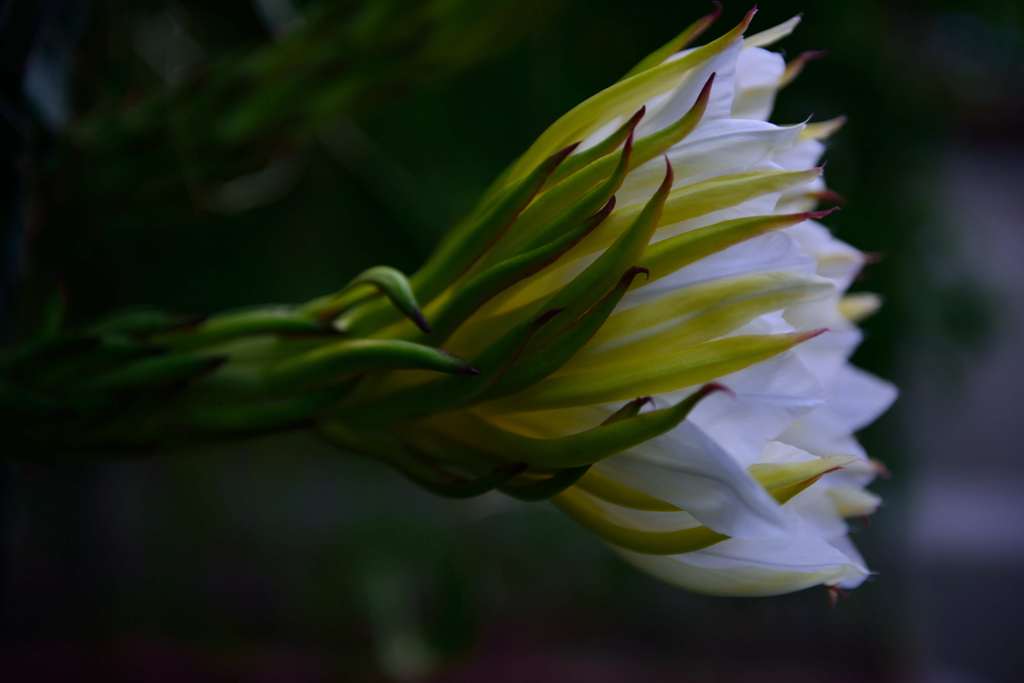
{"points": [[643, 321], [661, 330]]}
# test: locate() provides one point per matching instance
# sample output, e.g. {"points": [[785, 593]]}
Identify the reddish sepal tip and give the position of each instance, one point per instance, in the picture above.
{"points": [[670, 175], [811, 55], [545, 317], [818, 215], [714, 387], [880, 469], [635, 118], [873, 257], [805, 336], [608, 207], [635, 271], [421, 322], [835, 594], [560, 156], [705, 92], [828, 196]]}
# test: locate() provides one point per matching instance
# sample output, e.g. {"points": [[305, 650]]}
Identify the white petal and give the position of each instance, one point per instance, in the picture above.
{"points": [[853, 400], [804, 154], [827, 353], [756, 567], [857, 398], [837, 260], [853, 501], [716, 147], [769, 397], [689, 470], [758, 73], [844, 545]]}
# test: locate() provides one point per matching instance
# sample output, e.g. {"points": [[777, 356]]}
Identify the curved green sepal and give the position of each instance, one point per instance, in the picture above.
{"points": [[587, 513], [785, 480], [461, 248], [599, 277], [154, 372], [449, 393], [582, 448], [449, 485], [480, 289], [617, 100], [548, 487], [392, 283], [244, 323], [328, 363], [588, 156], [548, 357], [533, 490], [143, 321], [606, 488], [565, 205]]}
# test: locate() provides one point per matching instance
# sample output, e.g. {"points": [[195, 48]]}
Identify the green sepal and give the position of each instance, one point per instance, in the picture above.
{"points": [[108, 353], [588, 156], [617, 100], [548, 357], [481, 288], [568, 191], [658, 142], [154, 373], [327, 364], [435, 479], [27, 359], [586, 512], [461, 248], [450, 393], [414, 463], [219, 418], [548, 487], [594, 282], [244, 323], [785, 480], [142, 322], [543, 222], [607, 489], [672, 370], [392, 283], [532, 490], [583, 448]]}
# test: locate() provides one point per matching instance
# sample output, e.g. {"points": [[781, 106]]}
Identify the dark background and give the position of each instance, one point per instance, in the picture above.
{"points": [[203, 155]]}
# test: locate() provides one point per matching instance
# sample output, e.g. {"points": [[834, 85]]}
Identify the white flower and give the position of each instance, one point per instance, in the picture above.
{"points": [[716, 207]]}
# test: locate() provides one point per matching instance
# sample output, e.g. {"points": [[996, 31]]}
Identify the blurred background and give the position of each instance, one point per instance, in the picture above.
{"points": [[201, 155]]}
